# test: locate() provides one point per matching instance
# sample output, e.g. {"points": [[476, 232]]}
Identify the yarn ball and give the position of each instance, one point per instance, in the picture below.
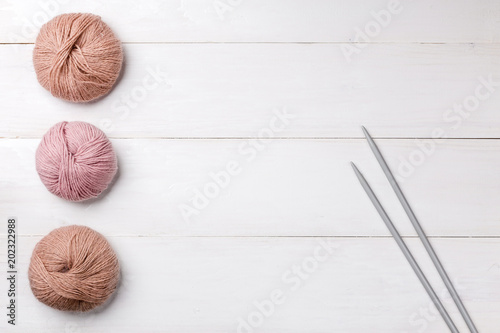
{"points": [[73, 268], [76, 161], [77, 57]]}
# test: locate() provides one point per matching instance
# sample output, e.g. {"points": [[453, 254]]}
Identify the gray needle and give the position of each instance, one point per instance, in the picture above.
{"points": [[420, 232], [405, 250]]}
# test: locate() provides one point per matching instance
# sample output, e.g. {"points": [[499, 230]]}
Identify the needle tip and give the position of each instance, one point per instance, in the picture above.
{"points": [[364, 130], [357, 172]]}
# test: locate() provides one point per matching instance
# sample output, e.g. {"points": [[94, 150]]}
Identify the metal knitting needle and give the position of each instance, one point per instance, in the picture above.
{"points": [[420, 232], [406, 252]]}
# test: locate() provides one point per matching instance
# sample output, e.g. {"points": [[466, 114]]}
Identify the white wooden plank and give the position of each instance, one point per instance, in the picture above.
{"points": [[289, 187], [190, 275], [267, 21], [232, 90], [207, 284]]}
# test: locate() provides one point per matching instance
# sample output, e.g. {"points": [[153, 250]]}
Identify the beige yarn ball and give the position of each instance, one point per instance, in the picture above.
{"points": [[73, 269], [77, 57]]}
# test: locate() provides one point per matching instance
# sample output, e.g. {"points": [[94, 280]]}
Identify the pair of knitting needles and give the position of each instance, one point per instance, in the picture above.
{"points": [[421, 235]]}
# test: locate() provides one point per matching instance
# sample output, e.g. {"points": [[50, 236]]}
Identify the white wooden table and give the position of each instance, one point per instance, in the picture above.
{"points": [[267, 97]]}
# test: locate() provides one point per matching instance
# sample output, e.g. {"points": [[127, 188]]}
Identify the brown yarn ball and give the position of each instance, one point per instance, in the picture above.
{"points": [[73, 269], [77, 57]]}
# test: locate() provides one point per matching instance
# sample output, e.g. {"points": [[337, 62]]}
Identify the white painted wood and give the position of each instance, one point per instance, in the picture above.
{"points": [[266, 21], [224, 77], [207, 284], [290, 187], [227, 90]]}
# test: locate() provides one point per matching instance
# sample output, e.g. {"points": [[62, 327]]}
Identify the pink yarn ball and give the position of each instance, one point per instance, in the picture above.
{"points": [[76, 161]]}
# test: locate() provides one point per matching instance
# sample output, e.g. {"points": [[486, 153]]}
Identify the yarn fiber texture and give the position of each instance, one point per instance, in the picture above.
{"points": [[73, 268], [76, 161], [77, 57]]}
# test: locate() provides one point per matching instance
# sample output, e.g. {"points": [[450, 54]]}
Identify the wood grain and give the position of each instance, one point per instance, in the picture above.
{"points": [[222, 90], [265, 21], [289, 187], [265, 99], [360, 285]]}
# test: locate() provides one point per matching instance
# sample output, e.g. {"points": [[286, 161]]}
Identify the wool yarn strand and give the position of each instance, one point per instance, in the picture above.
{"points": [[76, 161], [77, 57], [73, 268]]}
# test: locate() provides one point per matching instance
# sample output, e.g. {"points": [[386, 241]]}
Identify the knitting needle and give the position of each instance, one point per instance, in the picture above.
{"points": [[404, 249], [420, 232]]}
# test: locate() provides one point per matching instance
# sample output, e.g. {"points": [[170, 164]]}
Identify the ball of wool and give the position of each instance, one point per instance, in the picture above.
{"points": [[73, 268], [77, 57], [76, 161]]}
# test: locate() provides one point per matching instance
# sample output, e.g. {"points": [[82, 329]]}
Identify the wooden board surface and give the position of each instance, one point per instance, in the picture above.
{"points": [[289, 188], [327, 284], [207, 90], [157, 21], [234, 123]]}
